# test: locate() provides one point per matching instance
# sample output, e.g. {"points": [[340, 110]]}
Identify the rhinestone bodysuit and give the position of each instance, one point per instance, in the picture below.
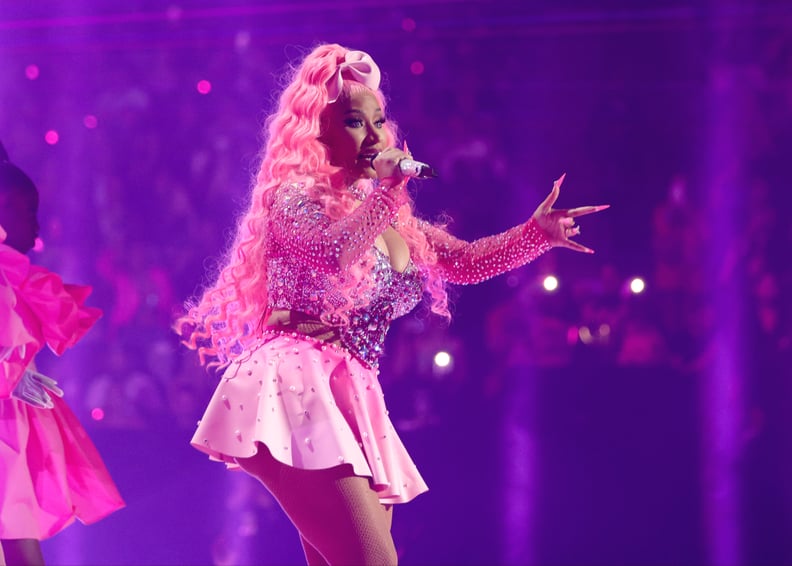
{"points": [[308, 253]]}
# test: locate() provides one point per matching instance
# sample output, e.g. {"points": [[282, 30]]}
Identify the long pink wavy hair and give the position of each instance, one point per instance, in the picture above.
{"points": [[226, 318]]}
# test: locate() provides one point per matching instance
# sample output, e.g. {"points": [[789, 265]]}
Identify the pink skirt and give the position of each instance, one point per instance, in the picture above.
{"points": [[50, 472], [314, 406]]}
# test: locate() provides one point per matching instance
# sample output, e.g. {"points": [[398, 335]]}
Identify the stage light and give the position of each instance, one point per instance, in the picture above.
{"points": [[442, 359], [408, 24], [242, 40], [51, 137], [637, 285], [90, 121], [585, 334], [417, 68], [550, 283], [32, 72], [97, 414], [204, 86]]}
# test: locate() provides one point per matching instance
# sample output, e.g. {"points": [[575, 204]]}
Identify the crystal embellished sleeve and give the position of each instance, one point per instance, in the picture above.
{"points": [[466, 263], [301, 227]]}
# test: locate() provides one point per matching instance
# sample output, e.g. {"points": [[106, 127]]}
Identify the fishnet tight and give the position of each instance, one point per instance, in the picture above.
{"points": [[340, 520]]}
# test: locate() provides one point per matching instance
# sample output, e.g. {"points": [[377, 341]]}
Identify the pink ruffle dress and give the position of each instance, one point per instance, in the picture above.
{"points": [[50, 471], [316, 405]]}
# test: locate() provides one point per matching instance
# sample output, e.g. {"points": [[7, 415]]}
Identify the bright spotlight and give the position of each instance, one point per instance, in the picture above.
{"points": [[550, 283], [637, 285], [442, 359]]}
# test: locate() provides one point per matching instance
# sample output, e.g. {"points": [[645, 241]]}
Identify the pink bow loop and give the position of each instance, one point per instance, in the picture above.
{"points": [[357, 66]]}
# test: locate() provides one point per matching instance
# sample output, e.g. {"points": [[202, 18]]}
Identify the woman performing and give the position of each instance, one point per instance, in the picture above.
{"points": [[328, 254], [50, 472]]}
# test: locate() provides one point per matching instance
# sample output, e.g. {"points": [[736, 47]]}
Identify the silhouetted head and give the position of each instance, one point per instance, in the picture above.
{"points": [[19, 202]]}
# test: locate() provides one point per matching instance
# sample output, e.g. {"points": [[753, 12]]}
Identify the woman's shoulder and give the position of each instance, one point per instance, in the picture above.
{"points": [[304, 189], [294, 191], [434, 226], [296, 199]]}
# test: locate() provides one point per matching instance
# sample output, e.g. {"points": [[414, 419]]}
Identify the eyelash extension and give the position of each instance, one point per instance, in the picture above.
{"points": [[353, 122]]}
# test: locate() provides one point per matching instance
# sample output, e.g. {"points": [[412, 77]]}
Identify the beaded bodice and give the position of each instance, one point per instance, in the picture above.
{"points": [[397, 293], [393, 294], [309, 256], [303, 271]]}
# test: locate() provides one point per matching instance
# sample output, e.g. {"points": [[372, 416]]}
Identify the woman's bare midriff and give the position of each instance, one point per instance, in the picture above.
{"points": [[304, 324]]}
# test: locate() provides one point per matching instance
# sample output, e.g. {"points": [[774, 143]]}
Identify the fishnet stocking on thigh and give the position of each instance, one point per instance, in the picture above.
{"points": [[336, 512], [312, 556]]}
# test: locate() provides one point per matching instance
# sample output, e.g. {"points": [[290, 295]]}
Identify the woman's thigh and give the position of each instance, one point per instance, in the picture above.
{"points": [[335, 511]]}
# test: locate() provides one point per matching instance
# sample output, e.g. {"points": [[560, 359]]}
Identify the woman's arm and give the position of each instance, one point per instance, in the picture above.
{"points": [[467, 263], [464, 263], [301, 227]]}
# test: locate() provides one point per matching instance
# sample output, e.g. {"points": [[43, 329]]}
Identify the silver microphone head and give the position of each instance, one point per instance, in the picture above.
{"points": [[417, 169]]}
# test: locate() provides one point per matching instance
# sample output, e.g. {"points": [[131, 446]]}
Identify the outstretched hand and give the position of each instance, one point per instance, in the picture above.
{"points": [[559, 225]]}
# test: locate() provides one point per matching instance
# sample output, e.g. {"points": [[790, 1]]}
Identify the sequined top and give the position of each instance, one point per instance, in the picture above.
{"points": [[308, 254]]}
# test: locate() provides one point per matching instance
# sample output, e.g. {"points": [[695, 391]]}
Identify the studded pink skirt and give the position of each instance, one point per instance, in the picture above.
{"points": [[314, 406]]}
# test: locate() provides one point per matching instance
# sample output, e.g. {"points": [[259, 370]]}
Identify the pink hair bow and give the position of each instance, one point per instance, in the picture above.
{"points": [[357, 66]]}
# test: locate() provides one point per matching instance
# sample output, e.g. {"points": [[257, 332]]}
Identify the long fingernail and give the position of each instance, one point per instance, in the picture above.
{"points": [[560, 179], [602, 207]]}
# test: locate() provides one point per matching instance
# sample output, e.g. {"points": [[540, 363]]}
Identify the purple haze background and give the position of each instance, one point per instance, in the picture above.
{"points": [[585, 426]]}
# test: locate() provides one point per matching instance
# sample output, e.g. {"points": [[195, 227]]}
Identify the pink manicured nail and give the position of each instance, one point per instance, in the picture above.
{"points": [[560, 179]]}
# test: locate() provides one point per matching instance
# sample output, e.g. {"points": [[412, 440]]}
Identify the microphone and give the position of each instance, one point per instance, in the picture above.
{"points": [[416, 169]]}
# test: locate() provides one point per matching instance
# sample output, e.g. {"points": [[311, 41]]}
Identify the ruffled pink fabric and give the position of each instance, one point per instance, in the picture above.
{"points": [[50, 472], [15, 338], [315, 407], [39, 309]]}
